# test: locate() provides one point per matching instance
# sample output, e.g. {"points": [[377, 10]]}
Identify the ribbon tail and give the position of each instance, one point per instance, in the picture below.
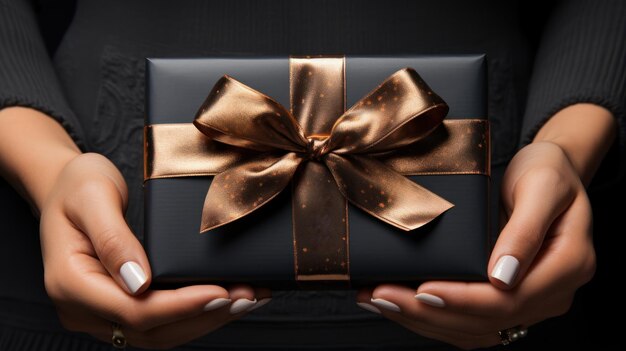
{"points": [[245, 188], [384, 193]]}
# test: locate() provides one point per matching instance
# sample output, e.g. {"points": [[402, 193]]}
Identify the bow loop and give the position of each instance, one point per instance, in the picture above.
{"points": [[258, 123], [400, 111]]}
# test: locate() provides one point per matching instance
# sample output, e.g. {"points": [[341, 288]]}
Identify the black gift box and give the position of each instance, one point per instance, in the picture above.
{"points": [[258, 248]]}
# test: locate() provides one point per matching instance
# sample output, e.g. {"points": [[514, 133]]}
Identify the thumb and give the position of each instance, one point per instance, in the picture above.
{"points": [[99, 214], [538, 198]]}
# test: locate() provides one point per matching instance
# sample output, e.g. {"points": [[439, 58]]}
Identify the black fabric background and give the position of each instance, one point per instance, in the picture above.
{"points": [[602, 295]]}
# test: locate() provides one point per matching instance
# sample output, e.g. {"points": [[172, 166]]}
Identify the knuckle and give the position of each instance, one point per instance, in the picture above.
{"points": [[588, 267], [542, 177], [51, 286], [54, 287], [107, 244], [87, 192], [526, 237], [551, 179], [91, 187], [533, 238]]}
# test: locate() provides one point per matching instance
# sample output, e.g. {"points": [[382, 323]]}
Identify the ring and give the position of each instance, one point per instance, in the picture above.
{"points": [[118, 339], [507, 336]]}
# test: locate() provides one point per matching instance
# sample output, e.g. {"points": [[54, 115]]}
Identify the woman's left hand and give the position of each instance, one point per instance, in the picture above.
{"points": [[543, 255]]}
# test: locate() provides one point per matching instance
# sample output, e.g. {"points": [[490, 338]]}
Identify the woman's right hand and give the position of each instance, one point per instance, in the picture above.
{"points": [[96, 271]]}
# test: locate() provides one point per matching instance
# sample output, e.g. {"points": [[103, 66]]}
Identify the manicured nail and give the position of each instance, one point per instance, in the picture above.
{"points": [[261, 303], [367, 306], [386, 304], [430, 300], [506, 269], [241, 305], [217, 303], [133, 276]]}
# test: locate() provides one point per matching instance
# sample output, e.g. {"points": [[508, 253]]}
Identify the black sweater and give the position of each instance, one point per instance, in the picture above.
{"points": [[93, 85]]}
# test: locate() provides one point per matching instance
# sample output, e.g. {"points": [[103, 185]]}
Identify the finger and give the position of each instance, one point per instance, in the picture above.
{"points": [[173, 334], [185, 330], [98, 212], [396, 299], [81, 319], [457, 338], [548, 286], [154, 309], [245, 298], [537, 199], [158, 307], [263, 296], [86, 283], [485, 300], [169, 335], [364, 300], [478, 299]]}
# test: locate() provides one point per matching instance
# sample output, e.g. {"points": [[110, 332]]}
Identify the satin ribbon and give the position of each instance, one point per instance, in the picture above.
{"points": [[256, 147]]}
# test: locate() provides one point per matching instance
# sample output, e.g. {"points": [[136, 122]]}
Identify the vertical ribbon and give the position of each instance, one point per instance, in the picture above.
{"points": [[320, 213]]}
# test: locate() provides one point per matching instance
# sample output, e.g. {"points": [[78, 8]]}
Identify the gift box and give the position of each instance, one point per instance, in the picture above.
{"points": [[324, 172]]}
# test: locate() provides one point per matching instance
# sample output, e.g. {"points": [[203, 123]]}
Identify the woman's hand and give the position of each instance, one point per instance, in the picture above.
{"points": [[543, 254], [96, 271]]}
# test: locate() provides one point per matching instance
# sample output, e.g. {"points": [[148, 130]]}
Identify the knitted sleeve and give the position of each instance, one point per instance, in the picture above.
{"points": [[581, 58], [27, 77]]}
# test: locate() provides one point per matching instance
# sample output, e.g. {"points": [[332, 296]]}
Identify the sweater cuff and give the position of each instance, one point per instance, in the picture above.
{"points": [[27, 77], [613, 167], [581, 59]]}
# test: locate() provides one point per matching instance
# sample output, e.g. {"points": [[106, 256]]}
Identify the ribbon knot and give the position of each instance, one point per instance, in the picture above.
{"points": [[315, 148]]}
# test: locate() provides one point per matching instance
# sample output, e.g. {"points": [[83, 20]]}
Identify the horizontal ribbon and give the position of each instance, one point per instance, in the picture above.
{"points": [[458, 146]]}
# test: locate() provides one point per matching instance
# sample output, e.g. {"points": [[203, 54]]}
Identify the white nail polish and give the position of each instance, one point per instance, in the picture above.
{"points": [[367, 306], [386, 304], [261, 303], [133, 276], [506, 269], [241, 305], [217, 303], [431, 300]]}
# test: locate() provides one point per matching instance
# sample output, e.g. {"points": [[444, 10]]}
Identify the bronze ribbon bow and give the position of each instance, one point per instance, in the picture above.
{"points": [[255, 148]]}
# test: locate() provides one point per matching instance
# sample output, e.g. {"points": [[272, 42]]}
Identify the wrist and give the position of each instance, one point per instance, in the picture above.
{"points": [[584, 132], [34, 149], [38, 193]]}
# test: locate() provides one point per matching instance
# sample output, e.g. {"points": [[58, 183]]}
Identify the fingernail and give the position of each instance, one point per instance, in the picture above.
{"points": [[386, 304], [133, 276], [431, 300], [506, 269], [261, 303], [241, 305], [217, 303], [367, 306]]}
